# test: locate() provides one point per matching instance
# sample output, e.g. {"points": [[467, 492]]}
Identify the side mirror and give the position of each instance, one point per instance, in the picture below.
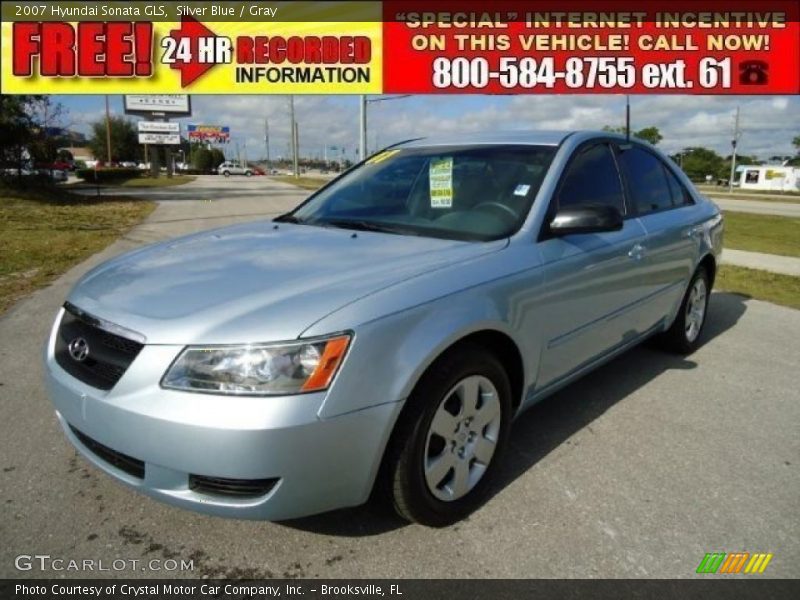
{"points": [[587, 218]]}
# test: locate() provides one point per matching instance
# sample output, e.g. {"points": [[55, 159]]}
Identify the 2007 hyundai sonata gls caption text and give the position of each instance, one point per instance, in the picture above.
{"points": [[386, 331]]}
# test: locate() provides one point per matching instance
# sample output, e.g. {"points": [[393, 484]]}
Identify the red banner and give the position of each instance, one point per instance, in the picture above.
{"points": [[682, 47]]}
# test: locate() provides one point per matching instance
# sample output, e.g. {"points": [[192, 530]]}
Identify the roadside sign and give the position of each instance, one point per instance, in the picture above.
{"points": [[216, 134], [158, 127], [154, 104], [159, 138]]}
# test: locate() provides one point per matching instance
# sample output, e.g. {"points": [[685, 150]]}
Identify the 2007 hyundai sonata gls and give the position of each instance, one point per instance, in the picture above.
{"points": [[386, 331]]}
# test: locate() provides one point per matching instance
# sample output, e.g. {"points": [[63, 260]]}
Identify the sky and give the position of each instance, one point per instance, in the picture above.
{"points": [[768, 123]]}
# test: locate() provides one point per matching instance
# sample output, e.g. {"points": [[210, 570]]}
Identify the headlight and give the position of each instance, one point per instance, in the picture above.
{"points": [[258, 369]]}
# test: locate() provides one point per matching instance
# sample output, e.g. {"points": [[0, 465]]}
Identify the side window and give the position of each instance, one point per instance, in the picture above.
{"points": [[680, 197], [592, 178], [647, 181]]}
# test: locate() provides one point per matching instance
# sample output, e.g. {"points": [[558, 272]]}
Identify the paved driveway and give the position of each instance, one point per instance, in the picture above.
{"points": [[636, 471]]}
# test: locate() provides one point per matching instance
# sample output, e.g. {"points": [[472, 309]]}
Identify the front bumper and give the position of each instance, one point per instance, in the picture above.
{"points": [[317, 464]]}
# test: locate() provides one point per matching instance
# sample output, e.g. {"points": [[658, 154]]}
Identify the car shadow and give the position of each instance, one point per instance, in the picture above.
{"points": [[550, 423]]}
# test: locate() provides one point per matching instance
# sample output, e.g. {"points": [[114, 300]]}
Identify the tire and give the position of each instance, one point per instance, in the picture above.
{"points": [[436, 480], [683, 337], [226, 173], [247, 173]]}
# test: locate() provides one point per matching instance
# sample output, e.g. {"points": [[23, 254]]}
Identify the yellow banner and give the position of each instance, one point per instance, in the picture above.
{"points": [[322, 57]]}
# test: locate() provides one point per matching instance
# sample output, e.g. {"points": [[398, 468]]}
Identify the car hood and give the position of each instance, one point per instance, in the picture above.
{"points": [[256, 281]]}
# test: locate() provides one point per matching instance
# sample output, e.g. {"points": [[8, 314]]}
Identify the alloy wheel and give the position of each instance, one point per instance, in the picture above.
{"points": [[696, 309], [462, 438]]}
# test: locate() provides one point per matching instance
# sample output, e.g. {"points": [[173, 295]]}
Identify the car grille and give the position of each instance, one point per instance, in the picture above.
{"points": [[231, 487], [108, 355], [123, 462]]}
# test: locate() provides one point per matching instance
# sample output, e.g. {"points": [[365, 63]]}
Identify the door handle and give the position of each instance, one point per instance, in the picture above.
{"points": [[637, 252]]}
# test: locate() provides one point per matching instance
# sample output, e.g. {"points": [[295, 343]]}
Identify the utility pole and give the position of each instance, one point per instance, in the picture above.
{"points": [[362, 146], [266, 140], [293, 133], [363, 150], [734, 142], [296, 140], [108, 131]]}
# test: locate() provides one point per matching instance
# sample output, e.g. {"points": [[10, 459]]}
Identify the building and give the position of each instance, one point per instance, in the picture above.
{"points": [[775, 178]]}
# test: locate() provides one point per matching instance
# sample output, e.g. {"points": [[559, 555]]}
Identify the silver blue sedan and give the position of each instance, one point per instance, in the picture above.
{"points": [[386, 332]]}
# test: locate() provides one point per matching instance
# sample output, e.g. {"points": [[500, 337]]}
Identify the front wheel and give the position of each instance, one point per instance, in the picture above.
{"points": [[450, 438], [248, 173], [684, 335], [226, 173]]}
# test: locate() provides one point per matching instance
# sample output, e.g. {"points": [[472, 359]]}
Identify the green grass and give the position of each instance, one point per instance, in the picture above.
{"points": [[143, 182], [761, 195], [149, 182], [762, 233], [307, 183], [45, 231], [761, 285]]}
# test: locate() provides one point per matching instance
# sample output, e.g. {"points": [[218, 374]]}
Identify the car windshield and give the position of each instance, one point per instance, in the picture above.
{"points": [[474, 193]]}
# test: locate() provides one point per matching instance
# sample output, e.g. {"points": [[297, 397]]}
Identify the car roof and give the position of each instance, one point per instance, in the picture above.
{"points": [[538, 138], [522, 137]]}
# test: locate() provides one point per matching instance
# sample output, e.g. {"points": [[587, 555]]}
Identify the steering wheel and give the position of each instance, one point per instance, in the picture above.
{"points": [[507, 210]]}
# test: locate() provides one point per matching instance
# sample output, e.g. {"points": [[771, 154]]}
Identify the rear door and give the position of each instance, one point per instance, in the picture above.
{"points": [[591, 281], [673, 225]]}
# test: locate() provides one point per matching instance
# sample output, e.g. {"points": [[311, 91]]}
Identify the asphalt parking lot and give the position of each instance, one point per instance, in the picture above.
{"points": [[638, 470]]}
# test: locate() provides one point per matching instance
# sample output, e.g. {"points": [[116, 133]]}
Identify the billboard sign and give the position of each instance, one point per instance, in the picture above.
{"points": [[174, 105], [214, 134]]}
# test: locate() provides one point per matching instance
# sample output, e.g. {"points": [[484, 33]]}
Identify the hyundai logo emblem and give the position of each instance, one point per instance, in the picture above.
{"points": [[78, 349]]}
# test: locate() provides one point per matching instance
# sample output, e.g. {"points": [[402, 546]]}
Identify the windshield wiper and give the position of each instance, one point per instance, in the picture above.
{"points": [[361, 225], [287, 218]]}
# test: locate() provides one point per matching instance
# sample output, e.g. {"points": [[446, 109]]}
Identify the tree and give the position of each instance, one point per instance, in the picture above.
{"points": [[201, 159], [24, 124], [217, 158], [124, 140], [15, 129], [697, 162], [648, 134], [796, 143]]}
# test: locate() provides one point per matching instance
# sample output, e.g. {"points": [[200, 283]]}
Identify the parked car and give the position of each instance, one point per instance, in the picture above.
{"points": [[231, 168], [386, 331], [62, 165], [57, 175]]}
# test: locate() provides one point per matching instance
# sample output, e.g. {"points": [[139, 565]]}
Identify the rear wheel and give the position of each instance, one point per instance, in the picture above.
{"points": [[248, 173], [684, 335], [451, 437]]}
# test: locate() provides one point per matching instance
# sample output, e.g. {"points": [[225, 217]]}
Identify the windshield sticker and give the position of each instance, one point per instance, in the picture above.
{"points": [[381, 156], [440, 173], [522, 189]]}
